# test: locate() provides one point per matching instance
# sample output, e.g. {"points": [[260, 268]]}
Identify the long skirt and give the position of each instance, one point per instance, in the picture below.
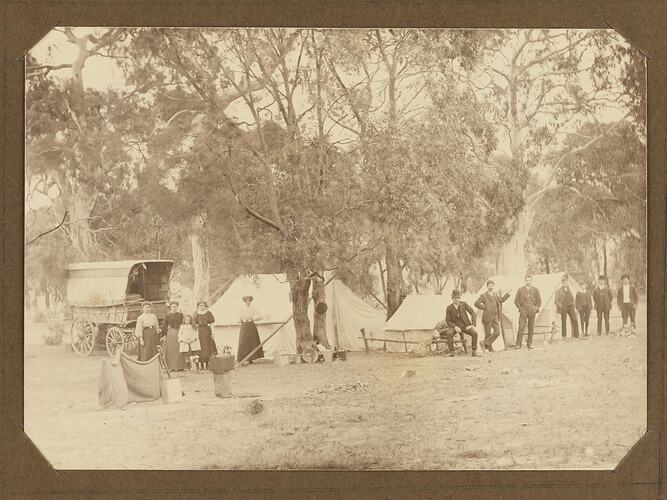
{"points": [[248, 340], [207, 344], [151, 341], [175, 360]]}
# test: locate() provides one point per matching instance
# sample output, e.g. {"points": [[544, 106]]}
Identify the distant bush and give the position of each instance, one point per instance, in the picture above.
{"points": [[40, 317], [55, 335]]}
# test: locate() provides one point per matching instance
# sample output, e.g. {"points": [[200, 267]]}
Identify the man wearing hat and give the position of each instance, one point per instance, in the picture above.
{"points": [[528, 301], [491, 303], [627, 299], [460, 318], [602, 298], [565, 307]]}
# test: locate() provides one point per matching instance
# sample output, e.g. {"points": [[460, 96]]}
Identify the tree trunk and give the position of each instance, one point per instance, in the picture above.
{"points": [[513, 255], [547, 268], [299, 290], [394, 278], [320, 320], [604, 258], [80, 212], [200, 263]]}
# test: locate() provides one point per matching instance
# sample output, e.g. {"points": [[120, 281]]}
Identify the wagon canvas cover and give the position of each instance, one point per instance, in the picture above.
{"points": [[102, 283]]}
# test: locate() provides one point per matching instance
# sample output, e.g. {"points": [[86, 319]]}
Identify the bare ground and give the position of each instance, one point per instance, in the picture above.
{"points": [[571, 404]]}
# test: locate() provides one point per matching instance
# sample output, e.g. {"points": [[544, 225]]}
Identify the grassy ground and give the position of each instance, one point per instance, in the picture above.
{"points": [[571, 404]]}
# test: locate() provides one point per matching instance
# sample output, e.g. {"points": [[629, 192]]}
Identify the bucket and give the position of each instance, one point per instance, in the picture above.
{"points": [[280, 358], [327, 355]]}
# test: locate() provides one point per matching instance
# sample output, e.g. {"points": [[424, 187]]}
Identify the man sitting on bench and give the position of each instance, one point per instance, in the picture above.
{"points": [[458, 322]]}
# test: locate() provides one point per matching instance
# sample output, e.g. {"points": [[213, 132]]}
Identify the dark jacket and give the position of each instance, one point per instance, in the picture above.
{"points": [[492, 305], [522, 295], [462, 319], [634, 297], [584, 301], [602, 298], [563, 299]]}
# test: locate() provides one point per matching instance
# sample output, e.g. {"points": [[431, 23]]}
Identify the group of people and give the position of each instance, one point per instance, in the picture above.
{"points": [[461, 318], [188, 338]]}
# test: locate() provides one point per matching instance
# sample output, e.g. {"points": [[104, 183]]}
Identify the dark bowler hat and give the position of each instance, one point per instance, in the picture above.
{"points": [[625, 276], [602, 277], [247, 298], [456, 293]]}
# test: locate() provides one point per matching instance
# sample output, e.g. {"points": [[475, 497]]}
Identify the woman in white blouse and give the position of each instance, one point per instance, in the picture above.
{"points": [[249, 336], [147, 332]]}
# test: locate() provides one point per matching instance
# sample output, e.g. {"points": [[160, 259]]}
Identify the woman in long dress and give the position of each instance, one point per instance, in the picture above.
{"points": [[202, 320], [170, 325], [146, 331], [249, 336]]}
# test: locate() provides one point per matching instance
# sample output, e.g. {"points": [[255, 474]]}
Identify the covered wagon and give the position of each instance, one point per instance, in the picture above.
{"points": [[104, 301]]}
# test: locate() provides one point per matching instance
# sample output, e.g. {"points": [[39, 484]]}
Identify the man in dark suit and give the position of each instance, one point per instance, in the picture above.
{"points": [[528, 301], [460, 318], [565, 307], [602, 298], [491, 303], [627, 299]]}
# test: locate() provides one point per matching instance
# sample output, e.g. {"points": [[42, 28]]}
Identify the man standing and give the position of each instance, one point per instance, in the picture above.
{"points": [[584, 303], [565, 307], [627, 299], [602, 298], [460, 318], [491, 303], [528, 301]]}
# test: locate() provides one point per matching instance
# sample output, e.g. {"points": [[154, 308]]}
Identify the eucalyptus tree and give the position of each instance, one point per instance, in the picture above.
{"points": [[545, 85]]}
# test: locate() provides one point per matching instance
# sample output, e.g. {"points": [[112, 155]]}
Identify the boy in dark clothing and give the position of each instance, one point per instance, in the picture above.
{"points": [[584, 304], [627, 299], [602, 298], [565, 307], [528, 301], [460, 318]]}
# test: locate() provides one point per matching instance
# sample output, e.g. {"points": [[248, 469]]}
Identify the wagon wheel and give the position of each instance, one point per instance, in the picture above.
{"points": [[310, 354], [114, 340], [83, 335], [131, 343]]}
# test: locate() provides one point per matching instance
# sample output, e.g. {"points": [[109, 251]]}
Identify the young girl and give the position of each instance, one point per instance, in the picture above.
{"points": [[188, 341]]}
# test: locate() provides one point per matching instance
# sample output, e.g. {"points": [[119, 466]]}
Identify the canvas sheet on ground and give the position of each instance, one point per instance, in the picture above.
{"points": [[346, 314]]}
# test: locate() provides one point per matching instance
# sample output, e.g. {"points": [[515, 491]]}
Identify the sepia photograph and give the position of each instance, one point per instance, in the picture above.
{"points": [[335, 249]]}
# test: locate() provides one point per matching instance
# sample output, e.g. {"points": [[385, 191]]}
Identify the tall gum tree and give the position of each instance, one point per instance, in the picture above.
{"points": [[72, 138], [546, 84], [387, 80]]}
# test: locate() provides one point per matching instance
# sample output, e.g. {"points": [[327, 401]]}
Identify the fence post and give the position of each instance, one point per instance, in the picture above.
{"points": [[363, 336]]}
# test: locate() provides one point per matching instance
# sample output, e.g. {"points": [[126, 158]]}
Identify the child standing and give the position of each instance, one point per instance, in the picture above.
{"points": [[627, 299], [188, 340], [584, 303]]}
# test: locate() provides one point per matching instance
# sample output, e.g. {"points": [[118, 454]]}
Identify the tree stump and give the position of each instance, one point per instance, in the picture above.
{"points": [[222, 384], [222, 367]]}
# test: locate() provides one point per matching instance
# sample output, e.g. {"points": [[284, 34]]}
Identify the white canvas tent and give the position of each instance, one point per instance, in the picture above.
{"points": [[417, 316], [346, 314], [547, 284]]}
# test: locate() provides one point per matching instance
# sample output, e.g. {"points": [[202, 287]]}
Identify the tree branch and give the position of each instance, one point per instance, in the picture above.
{"points": [[49, 231]]}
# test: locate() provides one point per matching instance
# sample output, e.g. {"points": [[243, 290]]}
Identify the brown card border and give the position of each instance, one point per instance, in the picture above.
{"points": [[24, 470]]}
